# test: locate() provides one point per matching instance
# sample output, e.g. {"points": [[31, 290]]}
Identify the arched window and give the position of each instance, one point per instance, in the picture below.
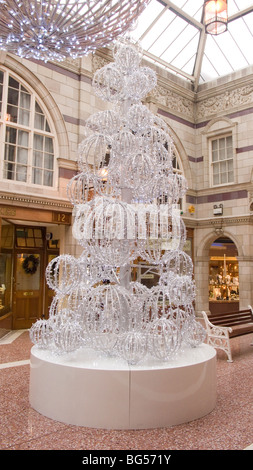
{"points": [[176, 165], [26, 137]]}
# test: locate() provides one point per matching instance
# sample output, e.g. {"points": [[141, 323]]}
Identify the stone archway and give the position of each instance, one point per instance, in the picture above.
{"points": [[223, 276], [204, 240]]}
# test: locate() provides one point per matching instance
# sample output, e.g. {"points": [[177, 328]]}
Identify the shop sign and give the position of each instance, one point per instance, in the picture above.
{"points": [[62, 218], [7, 212]]}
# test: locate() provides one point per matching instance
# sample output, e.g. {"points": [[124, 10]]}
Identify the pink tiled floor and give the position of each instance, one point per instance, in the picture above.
{"points": [[227, 427]]}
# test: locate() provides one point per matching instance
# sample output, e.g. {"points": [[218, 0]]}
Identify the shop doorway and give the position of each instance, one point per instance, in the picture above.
{"points": [[25, 253], [223, 276], [28, 268], [27, 288]]}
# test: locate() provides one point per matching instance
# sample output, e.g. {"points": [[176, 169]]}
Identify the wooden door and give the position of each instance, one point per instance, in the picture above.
{"points": [[28, 288]]}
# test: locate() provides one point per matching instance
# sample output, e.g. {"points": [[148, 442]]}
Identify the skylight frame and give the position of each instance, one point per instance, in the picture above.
{"points": [[196, 75]]}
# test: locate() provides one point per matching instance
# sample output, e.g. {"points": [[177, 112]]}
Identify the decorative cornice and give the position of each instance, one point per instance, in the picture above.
{"points": [[67, 164], [228, 100], [218, 190], [172, 101], [217, 223], [100, 59], [225, 221], [30, 201]]}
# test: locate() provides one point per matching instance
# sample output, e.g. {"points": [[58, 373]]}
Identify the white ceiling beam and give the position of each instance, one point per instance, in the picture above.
{"points": [[199, 59], [153, 23], [178, 11], [168, 66], [239, 14]]}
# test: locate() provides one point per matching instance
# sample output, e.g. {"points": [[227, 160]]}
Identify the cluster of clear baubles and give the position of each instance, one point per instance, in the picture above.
{"points": [[126, 209], [58, 29]]}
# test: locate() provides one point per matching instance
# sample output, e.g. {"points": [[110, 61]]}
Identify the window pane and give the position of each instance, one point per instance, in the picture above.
{"points": [[37, 176], [11, 135], [38, 108], [223, 167], [37, 233], [222, 143], [25, 100], [48, 178], [39, 121], [13, 96], [48, 161], [9, 153], [216, 179], [222, 154], [49, 145], [229, 152], [38, 142], [215, 145], [37, 159], [216, 169], [22, 155], [47, 127], [21, 173], [24, 117], [175, 163], [43, 159], [9, 169], [13, 83], [230, 165], [12, 112], [223, 178], [23, 138], [29, 242], [215, 156]]}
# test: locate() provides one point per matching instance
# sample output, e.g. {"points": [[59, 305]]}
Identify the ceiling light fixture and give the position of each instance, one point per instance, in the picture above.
{"points": [[57, 29], [215, 16]]}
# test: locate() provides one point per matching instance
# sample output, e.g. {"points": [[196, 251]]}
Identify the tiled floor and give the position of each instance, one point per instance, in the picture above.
{"points": [[227, 427]]}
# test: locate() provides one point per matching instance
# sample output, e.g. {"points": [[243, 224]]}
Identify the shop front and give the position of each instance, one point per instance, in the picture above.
{"points": [[30, 238], [223, 276]]}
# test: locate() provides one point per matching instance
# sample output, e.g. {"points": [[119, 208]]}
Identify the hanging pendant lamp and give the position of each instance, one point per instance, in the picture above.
{"points": [[215, 16]]}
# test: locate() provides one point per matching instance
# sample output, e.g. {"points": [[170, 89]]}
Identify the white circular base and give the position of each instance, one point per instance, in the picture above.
{"points": [[84, 389]]}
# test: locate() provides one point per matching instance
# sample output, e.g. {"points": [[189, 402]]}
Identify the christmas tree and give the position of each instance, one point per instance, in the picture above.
{"points": [[126, 210]]}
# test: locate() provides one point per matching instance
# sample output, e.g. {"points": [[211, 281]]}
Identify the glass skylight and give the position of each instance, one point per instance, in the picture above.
{"points": [[171, 34]]}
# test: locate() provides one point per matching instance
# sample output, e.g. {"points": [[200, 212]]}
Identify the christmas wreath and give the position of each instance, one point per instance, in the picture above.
{"points": [[30, 264]]}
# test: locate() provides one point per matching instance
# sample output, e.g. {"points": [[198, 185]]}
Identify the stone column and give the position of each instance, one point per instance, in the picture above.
{"points": [[245, 281], [201, 275]]}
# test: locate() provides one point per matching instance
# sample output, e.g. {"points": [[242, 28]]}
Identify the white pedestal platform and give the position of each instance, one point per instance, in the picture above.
{"points": [[82, 389]]}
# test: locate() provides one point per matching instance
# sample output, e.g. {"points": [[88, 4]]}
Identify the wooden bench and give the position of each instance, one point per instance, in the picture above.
{"points": [[220, 328]]}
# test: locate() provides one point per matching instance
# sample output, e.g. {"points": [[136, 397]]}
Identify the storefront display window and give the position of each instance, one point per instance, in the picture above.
{"points": [[223, 271]]}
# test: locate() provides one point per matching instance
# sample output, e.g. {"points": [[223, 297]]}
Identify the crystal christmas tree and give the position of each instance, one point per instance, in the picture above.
{"points": [[126, 209]]}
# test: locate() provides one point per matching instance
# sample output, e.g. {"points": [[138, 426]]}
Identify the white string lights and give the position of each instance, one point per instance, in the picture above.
{"points": [[57, 29], [128, 214]]}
